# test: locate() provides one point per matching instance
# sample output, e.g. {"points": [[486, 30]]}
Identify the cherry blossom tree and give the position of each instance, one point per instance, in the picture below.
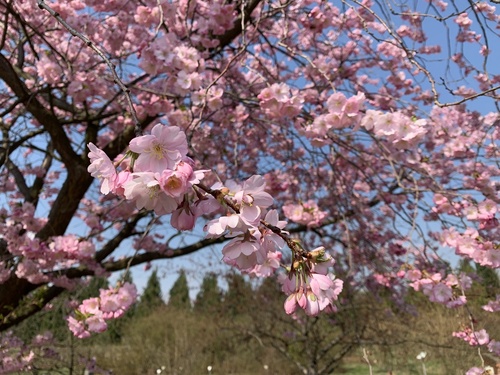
{"points": [[331, 142]]}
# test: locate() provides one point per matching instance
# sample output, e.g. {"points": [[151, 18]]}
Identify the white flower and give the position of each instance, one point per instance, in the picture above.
{"points": [[421, 355]]}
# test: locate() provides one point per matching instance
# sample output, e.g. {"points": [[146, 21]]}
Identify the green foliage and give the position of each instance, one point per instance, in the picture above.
{"points": [[52, 320], [179, 294], [151, 298], [238, 296], [209, 297], [489, 280], [466, 266]]}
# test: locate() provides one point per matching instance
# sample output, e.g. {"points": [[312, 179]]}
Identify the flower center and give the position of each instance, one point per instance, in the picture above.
{"points": [[173, 183], [158, 151], [153, 191]]}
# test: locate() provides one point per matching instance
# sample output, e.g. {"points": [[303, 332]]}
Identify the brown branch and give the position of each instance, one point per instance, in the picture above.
{"points": [[226, 38], [50, 122], [165, 254], [46, 295]]}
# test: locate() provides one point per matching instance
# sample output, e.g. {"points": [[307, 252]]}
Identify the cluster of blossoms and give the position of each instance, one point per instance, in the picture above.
{"points": [[486, 370], [19, 356], [158, 176], [278, 101], [342, 113], [307, 213], [478, 338], [479, 245], [399, 129], [258, 237], [17, 225], [493, 306], [443, 204], [447, 291], [484, 212], [92, 314], [472, 245], [36, 257], [14, 354], [254, 248], [310, 286]]}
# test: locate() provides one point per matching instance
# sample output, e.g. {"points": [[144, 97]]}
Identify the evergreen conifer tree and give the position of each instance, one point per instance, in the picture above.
{"points": [[489, 280], [209, 297], [151, 298], [466, 267], [179, 294], [239, 294]]}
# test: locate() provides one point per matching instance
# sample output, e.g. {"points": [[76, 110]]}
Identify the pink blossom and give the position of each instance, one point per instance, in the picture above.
{"points": [[322, 261], [173, 183], [206, 205], [463, 20], [183, 218], [96, 324], [440, 293], [336, 102], [127, 295], [270, 265], [494, 347], [270, 240], [493, 306], [218, 226], [146, 192], [244, 253], [77, 328], [101, 167], [475, 371], [252, 192], [162, 149], [482, 337], [90, 306], [313, 293], [295, 300]]}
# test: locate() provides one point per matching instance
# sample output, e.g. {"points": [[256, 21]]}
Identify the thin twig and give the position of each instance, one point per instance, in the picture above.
{"points": [[367, 360]]}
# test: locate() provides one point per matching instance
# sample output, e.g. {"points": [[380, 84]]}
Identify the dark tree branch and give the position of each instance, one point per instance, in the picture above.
{"points": [[165, 254], [44, 296], [226, 38], [42, 115]]}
